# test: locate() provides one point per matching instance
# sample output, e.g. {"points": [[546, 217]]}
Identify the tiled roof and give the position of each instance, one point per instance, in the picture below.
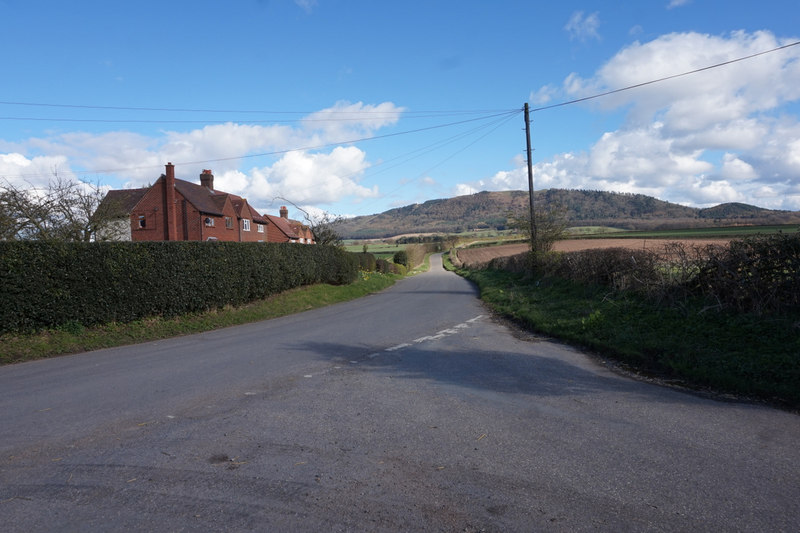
{"points": [[119, 203], [203, 199], [283, 225]]}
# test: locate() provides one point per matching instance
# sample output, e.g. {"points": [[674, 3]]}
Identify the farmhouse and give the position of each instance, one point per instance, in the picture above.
{"points": [[177, 210]]}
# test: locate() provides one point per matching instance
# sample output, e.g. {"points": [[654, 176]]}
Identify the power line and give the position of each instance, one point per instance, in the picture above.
{"points": [[494, 125], [385, 116], [505, 113], [584, 99], [351, 141], [254, 111]]}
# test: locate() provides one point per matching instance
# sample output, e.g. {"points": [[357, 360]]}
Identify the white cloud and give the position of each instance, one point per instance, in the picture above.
{"points": [[543, 95], [305, 178], [671, 129], [734, 169], [308, 5], [582, 28], [347, 121], [703, 99], [305, 167], [677, 3], [23, 172]]}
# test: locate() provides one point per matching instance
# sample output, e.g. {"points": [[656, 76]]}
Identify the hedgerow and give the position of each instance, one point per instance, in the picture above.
{"points": [[757, 274], [48, 284]]}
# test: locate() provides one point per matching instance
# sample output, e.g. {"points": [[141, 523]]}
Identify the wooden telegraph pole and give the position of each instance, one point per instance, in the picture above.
{"points": [[530, 175]]}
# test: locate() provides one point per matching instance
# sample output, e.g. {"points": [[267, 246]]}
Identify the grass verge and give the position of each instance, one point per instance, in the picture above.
{"points": [[741, 354], [73, 338]]}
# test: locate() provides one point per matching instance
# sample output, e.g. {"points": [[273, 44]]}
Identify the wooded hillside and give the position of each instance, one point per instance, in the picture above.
{"points": [[490, 210]]}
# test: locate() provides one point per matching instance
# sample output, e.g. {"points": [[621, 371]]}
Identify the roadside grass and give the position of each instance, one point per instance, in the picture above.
{"points": [[74, 338], [724, 352]]}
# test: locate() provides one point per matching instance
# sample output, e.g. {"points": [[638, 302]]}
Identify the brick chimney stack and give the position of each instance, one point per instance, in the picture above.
{"points": [[284, 212], [207, 179], [170, 221]]}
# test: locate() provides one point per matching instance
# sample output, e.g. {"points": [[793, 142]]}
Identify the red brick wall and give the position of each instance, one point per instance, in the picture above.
{"points": [[190, 223], [151, 206]]}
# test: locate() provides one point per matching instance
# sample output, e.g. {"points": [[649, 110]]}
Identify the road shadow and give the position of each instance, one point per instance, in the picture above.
{"points": [[514, 373]]}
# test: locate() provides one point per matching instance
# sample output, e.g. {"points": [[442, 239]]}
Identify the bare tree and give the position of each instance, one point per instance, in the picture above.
{"points": [[64, 210], [322, 226], [551, 225]]}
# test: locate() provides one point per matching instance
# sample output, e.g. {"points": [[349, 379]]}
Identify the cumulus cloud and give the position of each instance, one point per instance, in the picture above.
{"points": [[301, 163], [303, 178], [23, 172], [716, 136], [583, 28], [543, 95], [347, 121]]}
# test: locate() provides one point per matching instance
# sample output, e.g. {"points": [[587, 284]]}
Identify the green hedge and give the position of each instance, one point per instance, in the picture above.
{"points": [[47, 284]]}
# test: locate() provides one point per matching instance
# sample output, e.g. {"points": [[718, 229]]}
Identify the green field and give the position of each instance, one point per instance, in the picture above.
{"points": [[379, 250]]}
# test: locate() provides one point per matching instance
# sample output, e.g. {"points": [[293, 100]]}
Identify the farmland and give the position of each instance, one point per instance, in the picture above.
{"points": [[654, 241], [482, 255]]}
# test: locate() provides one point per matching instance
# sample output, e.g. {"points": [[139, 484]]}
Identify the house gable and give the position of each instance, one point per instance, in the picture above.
{"points": [[176, 209]]}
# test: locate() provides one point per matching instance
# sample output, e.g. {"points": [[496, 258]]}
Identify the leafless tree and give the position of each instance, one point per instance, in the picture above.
{"points": [[551, 225], [322, 226], [64, 210]]}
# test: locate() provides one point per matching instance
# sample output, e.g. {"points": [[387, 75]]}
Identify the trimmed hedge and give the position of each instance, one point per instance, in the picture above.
{"points": [[48, 284]]}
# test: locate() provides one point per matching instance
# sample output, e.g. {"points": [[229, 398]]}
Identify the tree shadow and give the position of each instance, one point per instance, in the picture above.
{"points": [[514, 373]]}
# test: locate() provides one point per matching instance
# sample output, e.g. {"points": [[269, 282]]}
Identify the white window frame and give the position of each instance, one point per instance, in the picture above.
{"points": [[260, 227], [246, 224]]}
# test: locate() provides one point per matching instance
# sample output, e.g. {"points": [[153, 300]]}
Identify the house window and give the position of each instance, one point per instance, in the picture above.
{"points": [[229, 222], [142, 222], [245, 224], [260, 228], [209, 222]]}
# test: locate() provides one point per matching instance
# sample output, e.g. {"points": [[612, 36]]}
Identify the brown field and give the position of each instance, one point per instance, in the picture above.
{"points": [[474, 256]]}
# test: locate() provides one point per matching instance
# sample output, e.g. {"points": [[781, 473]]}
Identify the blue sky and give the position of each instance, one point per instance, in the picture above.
{"points": [[355, 107]]}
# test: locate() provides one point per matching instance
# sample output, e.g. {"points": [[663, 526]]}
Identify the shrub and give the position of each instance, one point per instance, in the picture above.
{"points": [[758, 274], [48, 284], [387, 267], [400, 258], [366, 261]]}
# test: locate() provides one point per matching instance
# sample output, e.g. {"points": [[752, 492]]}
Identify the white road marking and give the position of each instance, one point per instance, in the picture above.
{"points": [[398, 347], [439, 335]]}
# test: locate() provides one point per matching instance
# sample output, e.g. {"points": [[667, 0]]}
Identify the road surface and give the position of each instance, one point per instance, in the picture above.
{"points": [[408, 410]]}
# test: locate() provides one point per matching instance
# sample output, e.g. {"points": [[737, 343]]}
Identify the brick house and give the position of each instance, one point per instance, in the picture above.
{"points": [[177, 210]]}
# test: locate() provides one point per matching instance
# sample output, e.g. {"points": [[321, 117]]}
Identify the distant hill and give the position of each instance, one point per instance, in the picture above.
{"points": [[490, 210]]}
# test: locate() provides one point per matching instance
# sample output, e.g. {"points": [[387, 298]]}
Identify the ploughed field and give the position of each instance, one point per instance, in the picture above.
{"points": [[478, 256]]}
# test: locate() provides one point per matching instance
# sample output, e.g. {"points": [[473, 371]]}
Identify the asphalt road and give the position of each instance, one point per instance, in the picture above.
{"points": [[409, 410]]}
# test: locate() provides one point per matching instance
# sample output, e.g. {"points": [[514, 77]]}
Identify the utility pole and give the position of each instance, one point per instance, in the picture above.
{"points": [[530, 176]]}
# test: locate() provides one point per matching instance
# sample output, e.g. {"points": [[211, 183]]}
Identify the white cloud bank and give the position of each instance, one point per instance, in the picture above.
{"points": [[725, 134], [306, 166]]}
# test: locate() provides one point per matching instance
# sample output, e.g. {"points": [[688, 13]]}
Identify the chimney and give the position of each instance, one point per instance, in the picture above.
{"points": [[207, 179], [284, 212], [170, 222]]}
